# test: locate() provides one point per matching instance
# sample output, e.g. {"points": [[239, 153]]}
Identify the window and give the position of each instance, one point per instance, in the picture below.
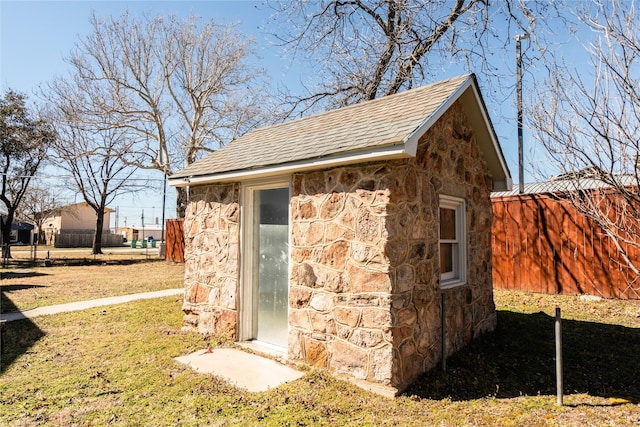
{"points": [[453, 261]]}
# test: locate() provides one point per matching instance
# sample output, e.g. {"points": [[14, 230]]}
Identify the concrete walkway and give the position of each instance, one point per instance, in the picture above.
{"points": [[83, 305]]}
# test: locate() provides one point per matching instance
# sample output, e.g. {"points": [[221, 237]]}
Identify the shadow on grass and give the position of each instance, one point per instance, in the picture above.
{"points": [[19, 287], [6, 305], [519, 359], [13, 274], [80, 262], [18, 336], [74, 262]]}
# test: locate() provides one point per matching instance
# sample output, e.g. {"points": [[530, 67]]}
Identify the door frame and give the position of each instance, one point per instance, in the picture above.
{"points": [[248, 323]]}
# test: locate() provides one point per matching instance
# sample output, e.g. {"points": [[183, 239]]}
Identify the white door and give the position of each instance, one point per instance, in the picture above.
{"points": [[267, 265]]}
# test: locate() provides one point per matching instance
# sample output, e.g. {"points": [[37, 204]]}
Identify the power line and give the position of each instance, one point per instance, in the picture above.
{"points": [[71, 176]]}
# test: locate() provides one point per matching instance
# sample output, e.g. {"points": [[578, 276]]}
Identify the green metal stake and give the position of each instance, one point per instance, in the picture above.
{"points": [[559, 356], [443, 321]]}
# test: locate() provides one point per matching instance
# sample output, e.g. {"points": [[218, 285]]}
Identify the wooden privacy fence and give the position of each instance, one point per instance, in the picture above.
{"points": [[542, 244], [85, 239], [174, 249]]}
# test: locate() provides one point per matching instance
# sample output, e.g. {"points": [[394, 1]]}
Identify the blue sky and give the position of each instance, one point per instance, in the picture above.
{"points": [[36, 35]]}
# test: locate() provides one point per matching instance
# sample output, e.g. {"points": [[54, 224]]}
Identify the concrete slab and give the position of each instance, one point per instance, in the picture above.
{"points": [[241, 369]]}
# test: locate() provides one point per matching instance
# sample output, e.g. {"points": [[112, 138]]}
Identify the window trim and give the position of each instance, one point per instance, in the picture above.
{"points": [[459, 276]]}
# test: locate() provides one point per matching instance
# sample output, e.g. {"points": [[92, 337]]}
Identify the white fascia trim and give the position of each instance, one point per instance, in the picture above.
{"points": [[411, 141], [494, 140], [375, 154]]}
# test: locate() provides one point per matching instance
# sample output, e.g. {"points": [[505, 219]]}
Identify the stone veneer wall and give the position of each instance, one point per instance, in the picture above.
{"points": [[448, 162], [364, 296], [212, 261], [340, 290]]}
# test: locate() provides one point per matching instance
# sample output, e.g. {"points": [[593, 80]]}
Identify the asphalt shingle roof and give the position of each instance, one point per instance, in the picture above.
{"points": [[381, 122]]}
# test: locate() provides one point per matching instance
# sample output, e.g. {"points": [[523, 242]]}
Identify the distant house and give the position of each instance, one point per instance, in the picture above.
{"points": [[149, 231], [128, 233], [334, 237], [21, 232], [542, 243], [74, 226]]}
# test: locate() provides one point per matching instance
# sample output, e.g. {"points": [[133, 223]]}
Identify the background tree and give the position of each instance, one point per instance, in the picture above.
{"points": [[588, 121], [365, 49], [101, 164], [38, 203], [24, 139], [177, 88]]}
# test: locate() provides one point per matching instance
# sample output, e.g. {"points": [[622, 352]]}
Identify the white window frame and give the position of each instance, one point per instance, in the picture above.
{"points": [[459, 275]]}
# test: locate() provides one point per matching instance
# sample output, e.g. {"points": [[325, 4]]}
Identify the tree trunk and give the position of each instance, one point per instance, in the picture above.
{"points": [[182, 200], [97, 238], [6, 235]]}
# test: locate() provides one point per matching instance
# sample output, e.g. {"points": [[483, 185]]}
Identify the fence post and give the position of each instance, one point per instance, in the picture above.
{"points": [[443, 322]]}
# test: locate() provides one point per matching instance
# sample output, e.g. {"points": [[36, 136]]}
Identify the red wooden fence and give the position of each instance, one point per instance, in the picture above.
{"points": [[174, 249], [541, 244]]}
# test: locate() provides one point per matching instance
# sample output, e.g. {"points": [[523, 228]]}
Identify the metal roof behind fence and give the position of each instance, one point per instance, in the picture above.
{"points": [[565, 185]]}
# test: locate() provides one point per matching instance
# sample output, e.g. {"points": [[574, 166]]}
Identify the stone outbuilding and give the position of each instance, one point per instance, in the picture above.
{"points": [[334, 237]]}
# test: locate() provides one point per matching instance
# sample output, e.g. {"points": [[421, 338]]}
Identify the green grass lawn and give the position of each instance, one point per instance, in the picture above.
{"points": [[114, 366]]}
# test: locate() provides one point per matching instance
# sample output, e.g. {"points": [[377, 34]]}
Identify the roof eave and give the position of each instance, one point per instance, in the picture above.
{"points": [[474, 107], [501, 175], [387, 152], [411, 141], [495, 159]]}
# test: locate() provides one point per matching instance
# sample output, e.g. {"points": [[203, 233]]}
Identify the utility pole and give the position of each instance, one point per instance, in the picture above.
{"points": [[163, 158], [518, 38], [164, 199]]}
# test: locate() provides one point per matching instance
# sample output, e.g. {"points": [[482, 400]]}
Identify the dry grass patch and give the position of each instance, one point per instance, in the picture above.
{"points": [[25, 253], [24, 289], [611, 311]]}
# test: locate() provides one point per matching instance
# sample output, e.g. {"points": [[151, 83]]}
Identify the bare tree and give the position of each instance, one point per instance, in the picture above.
{"points": [[101, 165], [178, 88], [38, 203], [24, 139], [364, 49], [588, 121]]}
